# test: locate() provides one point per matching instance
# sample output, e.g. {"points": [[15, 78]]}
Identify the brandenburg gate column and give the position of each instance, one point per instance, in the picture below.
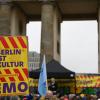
{"points": [[50, 34], [5, 12], [18, 21], [12, 20], [99, 38]]}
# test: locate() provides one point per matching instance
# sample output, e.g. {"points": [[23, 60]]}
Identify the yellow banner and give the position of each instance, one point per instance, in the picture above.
{"points": [[13, 65], [90, 80]]}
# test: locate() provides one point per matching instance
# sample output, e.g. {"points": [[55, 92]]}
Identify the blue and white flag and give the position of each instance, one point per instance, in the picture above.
{"points": [[42, 85]]}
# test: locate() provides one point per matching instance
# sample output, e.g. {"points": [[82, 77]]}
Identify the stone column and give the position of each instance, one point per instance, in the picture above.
{"points": [[50, 30], [47, 30], [18, 22], [5, 11], [99, 39], [14, 22], [12, 19], [57, 35]]}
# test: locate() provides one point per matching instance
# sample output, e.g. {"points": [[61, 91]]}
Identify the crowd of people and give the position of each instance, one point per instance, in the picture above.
{"points": [[51, 96], [70, 97]]}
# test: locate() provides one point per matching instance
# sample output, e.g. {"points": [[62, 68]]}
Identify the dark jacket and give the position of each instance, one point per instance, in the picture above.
{"points": [[53, 87]]}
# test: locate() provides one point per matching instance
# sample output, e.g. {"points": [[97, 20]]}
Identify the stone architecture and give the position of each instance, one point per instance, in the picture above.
{"points": [[15, 14], [34, 61]]}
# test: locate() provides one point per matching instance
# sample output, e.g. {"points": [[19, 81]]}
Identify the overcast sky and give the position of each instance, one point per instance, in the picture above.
{"points": [[79, 44]]}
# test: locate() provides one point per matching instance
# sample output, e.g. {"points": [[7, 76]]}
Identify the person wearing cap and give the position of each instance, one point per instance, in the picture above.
{"points": [[53, 86]]}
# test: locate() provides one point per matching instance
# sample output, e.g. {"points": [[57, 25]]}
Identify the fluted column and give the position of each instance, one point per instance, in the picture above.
{"points": [[47, 30], [99, 39], [5, 12], [50, 34]]}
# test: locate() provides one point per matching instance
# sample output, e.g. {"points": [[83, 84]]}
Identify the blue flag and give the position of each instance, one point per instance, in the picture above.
{"points": [[42, 85]]}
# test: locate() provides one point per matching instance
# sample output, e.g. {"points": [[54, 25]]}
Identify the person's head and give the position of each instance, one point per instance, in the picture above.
{"points": [[62, 98], [49, 93], [53, 80], [42, 98], [54, 97]]}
